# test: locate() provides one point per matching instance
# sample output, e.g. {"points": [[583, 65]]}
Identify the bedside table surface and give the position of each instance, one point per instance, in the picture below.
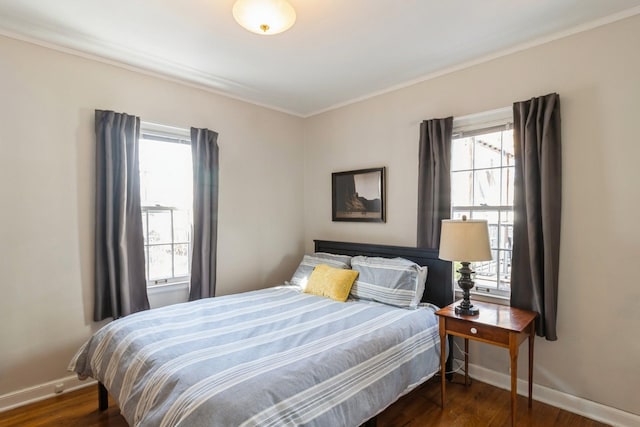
{"points": [[502, 316]]}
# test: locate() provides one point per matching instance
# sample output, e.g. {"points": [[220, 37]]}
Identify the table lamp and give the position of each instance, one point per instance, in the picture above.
{"points": [[465, 241]]}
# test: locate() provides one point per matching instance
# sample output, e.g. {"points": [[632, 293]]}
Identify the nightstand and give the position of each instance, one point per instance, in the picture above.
{"points": [[499, 325]]}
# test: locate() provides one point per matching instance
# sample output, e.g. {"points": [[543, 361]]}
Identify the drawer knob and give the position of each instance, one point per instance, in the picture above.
{"points": [[474, 331]]}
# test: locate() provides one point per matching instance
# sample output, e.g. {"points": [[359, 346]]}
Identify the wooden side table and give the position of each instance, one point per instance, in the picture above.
{"points": [[497, 325]]}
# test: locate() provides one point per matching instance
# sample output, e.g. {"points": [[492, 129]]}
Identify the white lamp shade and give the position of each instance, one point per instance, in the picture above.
{"points": [[464, 240], [265, 17]]}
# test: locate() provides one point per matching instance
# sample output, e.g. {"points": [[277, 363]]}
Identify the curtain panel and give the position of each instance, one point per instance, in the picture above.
{"points": [[434, 179], [120, 282], [204, 149], [537, 209]]}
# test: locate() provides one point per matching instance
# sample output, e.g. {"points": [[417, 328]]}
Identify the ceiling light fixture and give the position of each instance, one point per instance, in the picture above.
{"points": [[265, 17]]}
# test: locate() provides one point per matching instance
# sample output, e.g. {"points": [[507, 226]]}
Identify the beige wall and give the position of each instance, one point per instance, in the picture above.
{"points": [[268, 176], [597, 74], [46, 190]]}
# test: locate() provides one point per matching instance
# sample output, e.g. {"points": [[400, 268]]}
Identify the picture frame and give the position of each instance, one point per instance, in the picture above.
{"points": [[358, 195]]}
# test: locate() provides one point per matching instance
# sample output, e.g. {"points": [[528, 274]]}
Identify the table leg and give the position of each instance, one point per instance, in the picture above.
{"points": [[513, 353], [443, 362], [532, 336], [466, 362]]}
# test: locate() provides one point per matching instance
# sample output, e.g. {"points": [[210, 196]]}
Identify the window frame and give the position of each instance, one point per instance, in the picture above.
{"points": [[156, 132], [473, 125]]}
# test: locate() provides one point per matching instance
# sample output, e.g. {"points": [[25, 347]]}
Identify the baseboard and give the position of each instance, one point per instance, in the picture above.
{"points": [[577, 405], [42, 391]]}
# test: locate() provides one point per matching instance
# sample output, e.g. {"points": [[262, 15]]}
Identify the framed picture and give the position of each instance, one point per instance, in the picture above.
{"points": [[358, 195]]}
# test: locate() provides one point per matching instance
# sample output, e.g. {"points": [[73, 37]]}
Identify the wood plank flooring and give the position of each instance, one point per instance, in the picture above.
{"points": [[477, 405]]}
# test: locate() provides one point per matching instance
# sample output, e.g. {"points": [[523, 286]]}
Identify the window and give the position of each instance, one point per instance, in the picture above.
{"points": [[166, 190], [482, 171]]}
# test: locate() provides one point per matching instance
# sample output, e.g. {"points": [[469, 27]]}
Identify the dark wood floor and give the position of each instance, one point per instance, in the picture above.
{"points": [[477, 405]]}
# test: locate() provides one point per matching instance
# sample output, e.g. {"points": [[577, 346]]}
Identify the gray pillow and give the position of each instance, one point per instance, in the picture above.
{"points": [[346, 259], [394, 281], [309, 262]]}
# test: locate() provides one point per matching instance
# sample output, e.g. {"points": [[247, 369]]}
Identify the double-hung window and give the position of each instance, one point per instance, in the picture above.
{"points": [[482, 171], [166, 192]]}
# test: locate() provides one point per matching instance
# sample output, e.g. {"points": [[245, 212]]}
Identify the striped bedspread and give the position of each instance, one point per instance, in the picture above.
{"points": [[272, 357]]}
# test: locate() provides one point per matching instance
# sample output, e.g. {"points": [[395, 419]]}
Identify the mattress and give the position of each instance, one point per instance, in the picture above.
{"points": [[271, 357]]}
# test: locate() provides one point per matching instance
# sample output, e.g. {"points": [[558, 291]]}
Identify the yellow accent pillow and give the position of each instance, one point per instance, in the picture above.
{"points": [[334, 283]]}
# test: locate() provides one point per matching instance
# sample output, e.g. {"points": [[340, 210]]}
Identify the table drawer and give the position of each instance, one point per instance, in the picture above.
{"points": [[477, 331]]}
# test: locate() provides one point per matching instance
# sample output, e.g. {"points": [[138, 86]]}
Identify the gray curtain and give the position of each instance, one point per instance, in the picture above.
{"points": [[204, 148], [434, 179], [537, 204], [120, 283]]}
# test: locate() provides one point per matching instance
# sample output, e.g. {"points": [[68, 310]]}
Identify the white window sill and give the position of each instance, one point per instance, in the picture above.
{"points": [[167, 287]]}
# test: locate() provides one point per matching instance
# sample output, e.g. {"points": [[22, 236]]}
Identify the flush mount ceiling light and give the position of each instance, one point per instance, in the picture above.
{"points": [[265, 17]]}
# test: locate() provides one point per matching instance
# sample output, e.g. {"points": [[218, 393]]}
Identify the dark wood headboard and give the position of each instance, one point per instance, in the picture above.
{"points": [[439, 287]]}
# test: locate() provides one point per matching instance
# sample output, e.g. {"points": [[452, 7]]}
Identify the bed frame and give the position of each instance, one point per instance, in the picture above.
{"points": [[438, 289]]}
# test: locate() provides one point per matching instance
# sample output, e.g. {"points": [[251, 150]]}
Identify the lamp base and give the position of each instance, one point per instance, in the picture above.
{"points": [[467, 311], [465, 307]]}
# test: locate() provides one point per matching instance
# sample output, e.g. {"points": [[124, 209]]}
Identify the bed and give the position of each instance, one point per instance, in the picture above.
{"points": [[271, 357]]}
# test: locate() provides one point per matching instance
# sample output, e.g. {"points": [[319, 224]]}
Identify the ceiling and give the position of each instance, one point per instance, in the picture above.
{"points": [[337, 52]]}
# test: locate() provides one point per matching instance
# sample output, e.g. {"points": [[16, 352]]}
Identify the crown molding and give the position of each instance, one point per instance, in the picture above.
{"points": [[489, 57], [84, 46], [94, 49]]}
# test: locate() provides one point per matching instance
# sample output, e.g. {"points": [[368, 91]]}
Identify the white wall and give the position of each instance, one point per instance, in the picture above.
{"points": [[597, 74], [47, 102]]}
